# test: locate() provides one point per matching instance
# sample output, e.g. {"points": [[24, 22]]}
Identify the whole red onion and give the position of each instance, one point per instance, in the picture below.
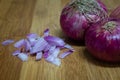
{"points": [[103, 41], [79, 14]]}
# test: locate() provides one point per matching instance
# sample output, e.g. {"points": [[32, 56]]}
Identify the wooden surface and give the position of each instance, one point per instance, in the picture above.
{"points": [[19, 17]]}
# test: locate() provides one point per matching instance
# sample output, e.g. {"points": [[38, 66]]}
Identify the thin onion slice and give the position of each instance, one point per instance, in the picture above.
{"points": [[24, 43], [46, 32], [56, 52], [53, 60], [38, 55], [32, 35], [7, 42], [47, 48], [63, 55], [50, 58], [56, 61], [20, 43], [39, 46], [23, 56], [16, 53], [54, 40], [51, 50], [27, 45], [32, 41], [68, 47]]}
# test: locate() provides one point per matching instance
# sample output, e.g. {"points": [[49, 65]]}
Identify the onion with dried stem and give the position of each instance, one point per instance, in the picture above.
{"points": [[78, 15], [103, 39]]}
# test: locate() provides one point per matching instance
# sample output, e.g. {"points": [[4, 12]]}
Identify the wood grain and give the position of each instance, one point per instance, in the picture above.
{"points": [[19, 17], [15, 23]]}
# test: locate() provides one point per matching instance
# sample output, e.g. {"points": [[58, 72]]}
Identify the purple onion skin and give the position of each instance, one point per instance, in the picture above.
{"points": [[103, 44], [76, 25], [69, 28]]}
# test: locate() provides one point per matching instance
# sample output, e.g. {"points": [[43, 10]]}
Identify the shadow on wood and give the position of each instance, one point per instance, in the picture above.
{"points": [[71, 41], [98, 62]]}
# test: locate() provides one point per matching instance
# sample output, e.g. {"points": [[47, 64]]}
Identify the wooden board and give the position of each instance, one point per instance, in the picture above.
{"points": [[20, 17]]}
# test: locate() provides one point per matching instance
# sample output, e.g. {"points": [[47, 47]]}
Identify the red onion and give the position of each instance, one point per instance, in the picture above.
{"points": [[79, 14], [103, 41]]}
